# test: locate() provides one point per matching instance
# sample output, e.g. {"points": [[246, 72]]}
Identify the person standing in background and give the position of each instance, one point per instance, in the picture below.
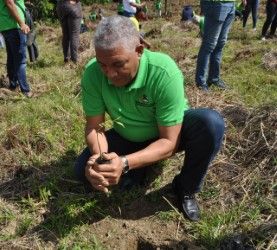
{"points": [[130, 7], [70, 15], [14, 30], [251, 6], [218, 19], [271, 18]]}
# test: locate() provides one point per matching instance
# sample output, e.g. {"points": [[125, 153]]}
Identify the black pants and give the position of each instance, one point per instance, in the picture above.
{"points": [[251, 6], [201, 138], [271, 18], [70, 16]]}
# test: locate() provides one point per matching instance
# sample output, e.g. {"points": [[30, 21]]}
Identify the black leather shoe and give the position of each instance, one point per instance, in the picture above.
{"points": [[190, 207], [187, 203]]}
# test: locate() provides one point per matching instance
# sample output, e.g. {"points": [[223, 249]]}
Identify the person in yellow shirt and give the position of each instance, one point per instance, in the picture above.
{"points": [[140, 16]]}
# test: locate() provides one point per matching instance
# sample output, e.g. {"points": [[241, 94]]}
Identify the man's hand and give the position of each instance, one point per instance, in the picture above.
{"points": [[24, 28], [112, 170], [14, 12], [103, 175], [95, 179]]}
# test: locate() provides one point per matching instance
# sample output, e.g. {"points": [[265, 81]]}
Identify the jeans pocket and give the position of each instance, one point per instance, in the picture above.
{"points": [[217, 11]]}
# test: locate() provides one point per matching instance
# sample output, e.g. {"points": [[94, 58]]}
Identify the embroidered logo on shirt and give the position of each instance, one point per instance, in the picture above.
{"points": [[144, 101]]}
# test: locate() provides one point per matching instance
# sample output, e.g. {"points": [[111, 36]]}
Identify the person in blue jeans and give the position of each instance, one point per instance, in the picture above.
{"points": [[143, 91], [251, 6], [14, 30], [218, 19]]}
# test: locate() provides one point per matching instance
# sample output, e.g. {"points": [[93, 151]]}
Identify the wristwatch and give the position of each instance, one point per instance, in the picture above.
{"points": [[125, 166]]}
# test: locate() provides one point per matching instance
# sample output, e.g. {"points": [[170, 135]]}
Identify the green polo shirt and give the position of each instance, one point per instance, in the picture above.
{"points": [[7, 22], [155, 97]]}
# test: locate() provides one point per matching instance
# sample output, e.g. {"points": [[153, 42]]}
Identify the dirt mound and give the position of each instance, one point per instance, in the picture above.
{"points": [[50, 34], [256, 144], [85, 42], [153, 33], [270, 60], [45, 30], [244, 54]]}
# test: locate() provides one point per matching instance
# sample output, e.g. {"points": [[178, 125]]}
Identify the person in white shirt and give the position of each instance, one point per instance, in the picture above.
{"points": [[130, 7]]}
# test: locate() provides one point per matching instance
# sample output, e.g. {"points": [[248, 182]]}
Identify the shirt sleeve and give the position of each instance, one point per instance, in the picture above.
{"points": [[171, 102], [91, 85]]}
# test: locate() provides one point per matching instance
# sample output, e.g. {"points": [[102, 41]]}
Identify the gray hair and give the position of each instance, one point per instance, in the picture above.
{"points": [[116, 31]]}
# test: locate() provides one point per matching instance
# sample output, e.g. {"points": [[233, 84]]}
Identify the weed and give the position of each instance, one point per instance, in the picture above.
{"points": [[23, 225]]}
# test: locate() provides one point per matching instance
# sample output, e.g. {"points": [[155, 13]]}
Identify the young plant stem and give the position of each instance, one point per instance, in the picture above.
{"points": [[99, 147]]}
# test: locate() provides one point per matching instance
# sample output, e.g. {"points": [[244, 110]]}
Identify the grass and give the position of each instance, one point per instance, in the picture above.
{"points": [[41, 206]]}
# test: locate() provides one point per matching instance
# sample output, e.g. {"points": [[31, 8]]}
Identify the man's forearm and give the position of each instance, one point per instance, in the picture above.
{"points": [[96, 141], [156, 151], [13, 11], [137, 5]]}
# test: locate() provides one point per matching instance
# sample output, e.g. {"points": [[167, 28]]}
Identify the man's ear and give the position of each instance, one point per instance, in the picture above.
{"points": [[139, 49]]}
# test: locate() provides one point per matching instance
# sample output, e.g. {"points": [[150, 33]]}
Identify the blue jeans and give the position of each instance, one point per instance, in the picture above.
{"points": [[16, 58], [218, 20], [251, 6], [201, 137], [128, 14]]}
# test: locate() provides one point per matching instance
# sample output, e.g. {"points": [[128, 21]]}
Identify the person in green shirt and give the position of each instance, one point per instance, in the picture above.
{"points": [[143, 93], [158, 7], [120, 8], [14, 30]]}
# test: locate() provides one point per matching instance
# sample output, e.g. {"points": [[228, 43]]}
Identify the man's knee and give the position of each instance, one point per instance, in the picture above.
{"points": [[214, 124], [80, 165]]}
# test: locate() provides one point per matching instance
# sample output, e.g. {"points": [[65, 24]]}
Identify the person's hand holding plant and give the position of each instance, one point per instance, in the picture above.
{"points": [[104, 169], [103, 175]]}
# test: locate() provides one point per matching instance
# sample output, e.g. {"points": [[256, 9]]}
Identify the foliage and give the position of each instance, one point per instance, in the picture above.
{"points": [[43, 9]]}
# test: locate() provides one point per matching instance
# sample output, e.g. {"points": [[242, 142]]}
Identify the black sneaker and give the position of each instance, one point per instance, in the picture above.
{"points": [[203, 87]]}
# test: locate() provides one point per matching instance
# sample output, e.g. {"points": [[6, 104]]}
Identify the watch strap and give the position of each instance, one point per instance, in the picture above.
{"points": [[125, 165]]}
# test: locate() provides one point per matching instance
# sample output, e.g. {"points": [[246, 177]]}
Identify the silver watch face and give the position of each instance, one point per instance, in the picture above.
{"points": [[125, 169], [125, 165]]}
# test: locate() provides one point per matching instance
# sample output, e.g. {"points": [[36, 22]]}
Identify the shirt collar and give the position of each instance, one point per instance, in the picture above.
{"points": [[140, 79]]}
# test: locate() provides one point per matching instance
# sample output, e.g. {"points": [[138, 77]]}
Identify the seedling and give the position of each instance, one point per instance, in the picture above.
{"points": [[101, 159]]}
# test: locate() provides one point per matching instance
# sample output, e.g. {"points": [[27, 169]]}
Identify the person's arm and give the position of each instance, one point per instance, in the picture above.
{"points": [[97, 144], [13, 11], [160, 149], [138, 5], [144, 42], [94, 128]]}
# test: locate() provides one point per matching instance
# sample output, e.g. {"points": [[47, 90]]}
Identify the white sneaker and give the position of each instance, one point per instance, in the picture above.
{"points": [[263, 38]]}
